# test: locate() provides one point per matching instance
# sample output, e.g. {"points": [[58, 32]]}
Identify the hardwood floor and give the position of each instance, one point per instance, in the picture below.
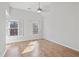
{"points": [[38, 48], [50, 49]]}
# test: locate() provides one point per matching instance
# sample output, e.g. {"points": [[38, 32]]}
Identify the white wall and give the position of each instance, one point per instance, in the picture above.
{"points": [[61, 24], [25, 18], [3, 6]]}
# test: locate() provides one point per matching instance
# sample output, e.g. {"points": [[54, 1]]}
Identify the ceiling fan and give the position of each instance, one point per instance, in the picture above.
{"points": [[40, 10]]}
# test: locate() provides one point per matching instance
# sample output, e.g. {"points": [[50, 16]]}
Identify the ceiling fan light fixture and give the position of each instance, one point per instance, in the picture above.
{"points": [[39, 10]]}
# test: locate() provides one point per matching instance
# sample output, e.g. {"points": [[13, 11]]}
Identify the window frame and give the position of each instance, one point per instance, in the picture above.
{"points": [[14, 28]]}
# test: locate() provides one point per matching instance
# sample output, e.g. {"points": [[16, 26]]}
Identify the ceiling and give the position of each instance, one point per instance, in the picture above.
{"points": [[31, 6]]}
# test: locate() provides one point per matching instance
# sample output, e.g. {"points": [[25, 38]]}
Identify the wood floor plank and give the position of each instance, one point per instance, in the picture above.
{"points": [[44, 48]]}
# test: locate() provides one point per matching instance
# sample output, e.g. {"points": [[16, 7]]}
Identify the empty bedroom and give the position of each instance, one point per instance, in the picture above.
{"points": [[39, 29]]}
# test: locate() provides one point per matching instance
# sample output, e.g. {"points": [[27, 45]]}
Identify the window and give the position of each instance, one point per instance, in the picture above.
{"points": [[35, 28], [13, 28]]}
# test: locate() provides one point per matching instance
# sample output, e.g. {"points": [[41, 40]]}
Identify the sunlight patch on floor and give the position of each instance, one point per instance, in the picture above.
{"points": [[31, 46], [36, 50]]}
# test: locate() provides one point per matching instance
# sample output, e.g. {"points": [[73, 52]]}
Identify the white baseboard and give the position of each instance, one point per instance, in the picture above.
{"points": [[64, 45]]}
